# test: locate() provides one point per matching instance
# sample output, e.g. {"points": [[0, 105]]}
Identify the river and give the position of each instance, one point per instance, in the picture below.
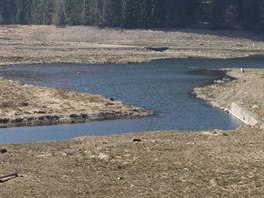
{"points": [[163, 86]]}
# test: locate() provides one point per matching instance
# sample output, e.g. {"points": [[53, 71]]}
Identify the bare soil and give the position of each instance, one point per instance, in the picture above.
{"points": [[152, 164]]}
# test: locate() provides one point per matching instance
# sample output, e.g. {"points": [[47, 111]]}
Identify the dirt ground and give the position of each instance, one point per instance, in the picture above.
{"points": [[163, 164], [153, 164], [50, 44]]}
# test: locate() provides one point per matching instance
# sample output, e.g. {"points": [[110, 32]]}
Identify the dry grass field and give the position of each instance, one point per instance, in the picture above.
{"points": [[151, 164]]}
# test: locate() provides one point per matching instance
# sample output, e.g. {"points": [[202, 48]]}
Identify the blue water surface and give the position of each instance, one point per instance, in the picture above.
{"points": [[163, 86]]}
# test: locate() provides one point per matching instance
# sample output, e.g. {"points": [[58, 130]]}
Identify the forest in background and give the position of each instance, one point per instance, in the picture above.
{"points": [[214, 14]]}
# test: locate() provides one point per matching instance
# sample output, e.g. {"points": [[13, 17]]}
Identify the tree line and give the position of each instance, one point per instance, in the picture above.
{"points": [[215, 14]]}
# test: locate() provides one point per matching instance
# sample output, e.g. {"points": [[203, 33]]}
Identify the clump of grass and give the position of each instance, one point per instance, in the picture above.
{"points": [[7, 104], [95, 99]]}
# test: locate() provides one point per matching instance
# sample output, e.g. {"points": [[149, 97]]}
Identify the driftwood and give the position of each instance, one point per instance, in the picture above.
{"points": [[8, 177], [157, 49]]}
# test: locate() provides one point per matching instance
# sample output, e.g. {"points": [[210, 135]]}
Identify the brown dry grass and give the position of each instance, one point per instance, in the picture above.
{"points": [[163, 164], [247, 90], [48, 44], [18, 100]]}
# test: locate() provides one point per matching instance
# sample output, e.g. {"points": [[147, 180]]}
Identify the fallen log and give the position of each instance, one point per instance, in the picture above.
{"points": [[157, 49], [7, 177]]}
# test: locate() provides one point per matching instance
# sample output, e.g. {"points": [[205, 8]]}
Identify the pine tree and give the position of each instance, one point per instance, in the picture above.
{"points": [[42, 11], [261, 16], [246, 14], [217, 14], [7, 11], [250, 14], [23, 11]]}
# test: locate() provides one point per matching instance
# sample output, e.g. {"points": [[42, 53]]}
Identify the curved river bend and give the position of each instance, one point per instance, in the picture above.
{"points": [[162, 85]]}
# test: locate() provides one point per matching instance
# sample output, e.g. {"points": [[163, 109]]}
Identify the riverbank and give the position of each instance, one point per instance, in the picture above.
{"points": [[50, 44], [241, 97]]}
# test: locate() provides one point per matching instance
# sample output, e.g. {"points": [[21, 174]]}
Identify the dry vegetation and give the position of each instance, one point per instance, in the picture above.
{"points": [[161, 164], [22, 104], [45, 44], [247, 91]]}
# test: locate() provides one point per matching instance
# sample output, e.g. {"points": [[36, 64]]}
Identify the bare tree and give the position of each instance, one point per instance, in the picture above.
{"points": [[84, 12], [64, 9]]}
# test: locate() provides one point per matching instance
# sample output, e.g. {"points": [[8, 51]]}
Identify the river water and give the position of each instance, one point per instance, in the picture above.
{"points": [[163, 86]]}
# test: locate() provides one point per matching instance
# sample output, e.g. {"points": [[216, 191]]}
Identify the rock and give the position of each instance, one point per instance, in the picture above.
{"points": [[137, 140], [255, 107], [52, 118], [84, 116], [30, 119], [18, 120], [41, 118], [74, 116], [4, 150], [4, 120]]}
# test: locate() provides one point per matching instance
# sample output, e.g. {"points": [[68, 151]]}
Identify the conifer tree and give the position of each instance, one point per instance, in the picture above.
{"points": [[23, 11], [236, 14], [41, 12]]}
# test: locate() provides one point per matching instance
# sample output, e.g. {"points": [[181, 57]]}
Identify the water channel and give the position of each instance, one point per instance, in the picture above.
{"points": [[163, 86]]}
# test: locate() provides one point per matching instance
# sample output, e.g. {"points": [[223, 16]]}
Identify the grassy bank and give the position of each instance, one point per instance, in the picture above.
{"points": [[23, 104]]}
